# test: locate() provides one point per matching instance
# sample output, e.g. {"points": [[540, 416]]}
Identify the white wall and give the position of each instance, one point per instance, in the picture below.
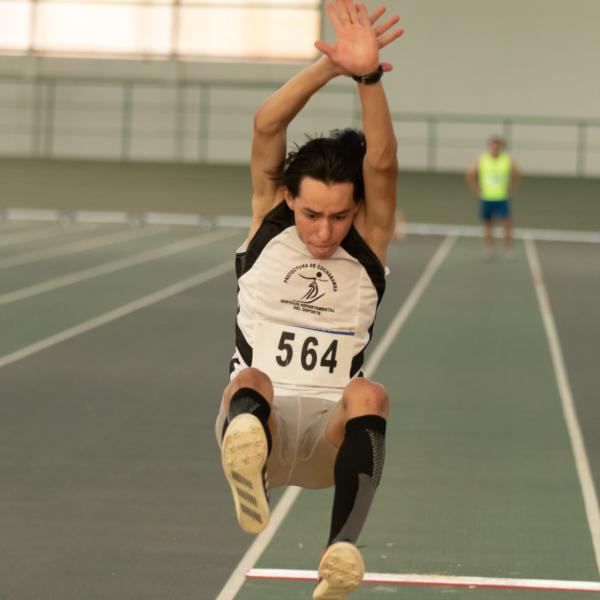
{"points": [[516, 58], [532, 57]]}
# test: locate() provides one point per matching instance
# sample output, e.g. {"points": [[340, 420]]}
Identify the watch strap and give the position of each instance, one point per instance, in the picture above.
{"points": [[373, 77]]}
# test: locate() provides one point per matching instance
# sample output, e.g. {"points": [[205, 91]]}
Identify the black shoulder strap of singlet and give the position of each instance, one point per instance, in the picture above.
{"points": [[356, 246], [275, 221]]}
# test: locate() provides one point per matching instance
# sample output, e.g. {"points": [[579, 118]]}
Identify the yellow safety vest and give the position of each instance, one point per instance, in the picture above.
{"points": [[494, 176]]}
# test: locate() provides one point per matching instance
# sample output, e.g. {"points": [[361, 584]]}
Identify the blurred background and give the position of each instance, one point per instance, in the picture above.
{"points": [[132, 105], [116, 324]]}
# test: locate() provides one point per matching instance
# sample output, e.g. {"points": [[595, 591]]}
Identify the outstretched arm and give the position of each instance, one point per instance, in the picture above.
{"points": [[270, 126], [273, 117], [356, 52], [380, 168]]}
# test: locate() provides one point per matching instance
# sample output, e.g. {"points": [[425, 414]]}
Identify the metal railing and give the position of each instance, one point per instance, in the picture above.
{"points": [[210, 121]]}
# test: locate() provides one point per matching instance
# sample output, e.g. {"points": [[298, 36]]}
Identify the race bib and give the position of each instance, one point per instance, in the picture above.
{"points": [[302, 356]]}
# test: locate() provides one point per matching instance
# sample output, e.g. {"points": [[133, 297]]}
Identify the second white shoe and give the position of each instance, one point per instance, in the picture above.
{"points": [[341, 570]]}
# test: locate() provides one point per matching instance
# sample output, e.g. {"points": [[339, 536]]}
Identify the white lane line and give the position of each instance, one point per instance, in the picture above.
{"points": [[444, 580], [82, 246], [236, 580], [43, 233], [33, 214], [116, 265], [409, 304], [243, 221], [582, 464], [552, 235], [117, 313]]}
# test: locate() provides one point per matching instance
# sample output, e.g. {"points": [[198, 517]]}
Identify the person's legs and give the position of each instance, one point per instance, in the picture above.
{"points": [[246, 444], [358, 427], [508, 237], [505, 218], [485, 212], [488, 236], [500, 210]]}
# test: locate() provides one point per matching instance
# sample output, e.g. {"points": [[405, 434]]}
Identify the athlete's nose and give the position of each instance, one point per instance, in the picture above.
{"points": [[324, 230]]}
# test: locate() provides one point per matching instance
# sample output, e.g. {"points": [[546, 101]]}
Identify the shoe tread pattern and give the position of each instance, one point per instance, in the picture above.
{"points": [[244, 454]]}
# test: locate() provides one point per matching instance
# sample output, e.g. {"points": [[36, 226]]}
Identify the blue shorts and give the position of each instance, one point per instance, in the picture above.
{"points": [[490, 209]]}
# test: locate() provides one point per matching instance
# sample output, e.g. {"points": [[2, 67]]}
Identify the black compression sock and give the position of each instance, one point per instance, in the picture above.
{"points": [[357, 473], [248, 400]]}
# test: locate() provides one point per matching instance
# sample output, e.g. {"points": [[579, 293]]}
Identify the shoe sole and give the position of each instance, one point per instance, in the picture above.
{"points": [[243, 454], [342, 570]]}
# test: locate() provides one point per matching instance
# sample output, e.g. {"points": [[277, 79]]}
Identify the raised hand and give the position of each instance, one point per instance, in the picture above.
{"points": [[358, 41]]}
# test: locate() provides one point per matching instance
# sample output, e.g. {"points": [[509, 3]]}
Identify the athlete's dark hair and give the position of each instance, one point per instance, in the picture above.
{"points": [[336, 158], [498, 140]]}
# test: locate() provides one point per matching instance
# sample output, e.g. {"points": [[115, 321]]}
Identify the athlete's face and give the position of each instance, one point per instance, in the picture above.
{"points": [[495, 147], [323, 214]]}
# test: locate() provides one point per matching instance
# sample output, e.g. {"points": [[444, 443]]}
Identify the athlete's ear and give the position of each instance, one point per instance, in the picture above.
{"points": [[289, 199]]}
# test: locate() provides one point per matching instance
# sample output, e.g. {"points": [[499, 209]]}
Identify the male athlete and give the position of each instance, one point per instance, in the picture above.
{"points": [[492, 178], [297, 410]]}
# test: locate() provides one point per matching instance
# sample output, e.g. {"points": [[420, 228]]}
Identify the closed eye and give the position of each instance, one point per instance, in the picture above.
{"points": [[311, 215]]}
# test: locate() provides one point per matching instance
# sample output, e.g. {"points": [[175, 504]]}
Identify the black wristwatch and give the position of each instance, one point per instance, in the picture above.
{"points": [[373, 77]]}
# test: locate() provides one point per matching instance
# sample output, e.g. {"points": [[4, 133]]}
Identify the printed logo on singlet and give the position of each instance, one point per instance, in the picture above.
{"points": [[315, 282]]}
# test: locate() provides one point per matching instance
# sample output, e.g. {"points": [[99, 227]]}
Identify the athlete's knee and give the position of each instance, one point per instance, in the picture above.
{"points": [[366, 397], [255, 379], [250, 391]]}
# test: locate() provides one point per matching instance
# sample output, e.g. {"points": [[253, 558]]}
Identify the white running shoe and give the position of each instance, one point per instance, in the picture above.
{"points": [[244, 454], [341, 571]]}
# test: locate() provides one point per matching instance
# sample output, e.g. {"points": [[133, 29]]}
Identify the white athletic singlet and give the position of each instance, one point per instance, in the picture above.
{"points": [[304, 321]]}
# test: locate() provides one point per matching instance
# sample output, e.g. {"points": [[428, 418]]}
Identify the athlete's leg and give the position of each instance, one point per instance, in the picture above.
{"points": [[250, 391], [357, 426], [246, 445]]}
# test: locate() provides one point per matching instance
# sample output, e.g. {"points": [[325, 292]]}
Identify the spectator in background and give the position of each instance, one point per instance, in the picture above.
{"points": [[493, 178]]}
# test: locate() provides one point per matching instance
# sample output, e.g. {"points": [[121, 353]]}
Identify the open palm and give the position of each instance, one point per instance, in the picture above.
{"points": [[357, 39]]}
